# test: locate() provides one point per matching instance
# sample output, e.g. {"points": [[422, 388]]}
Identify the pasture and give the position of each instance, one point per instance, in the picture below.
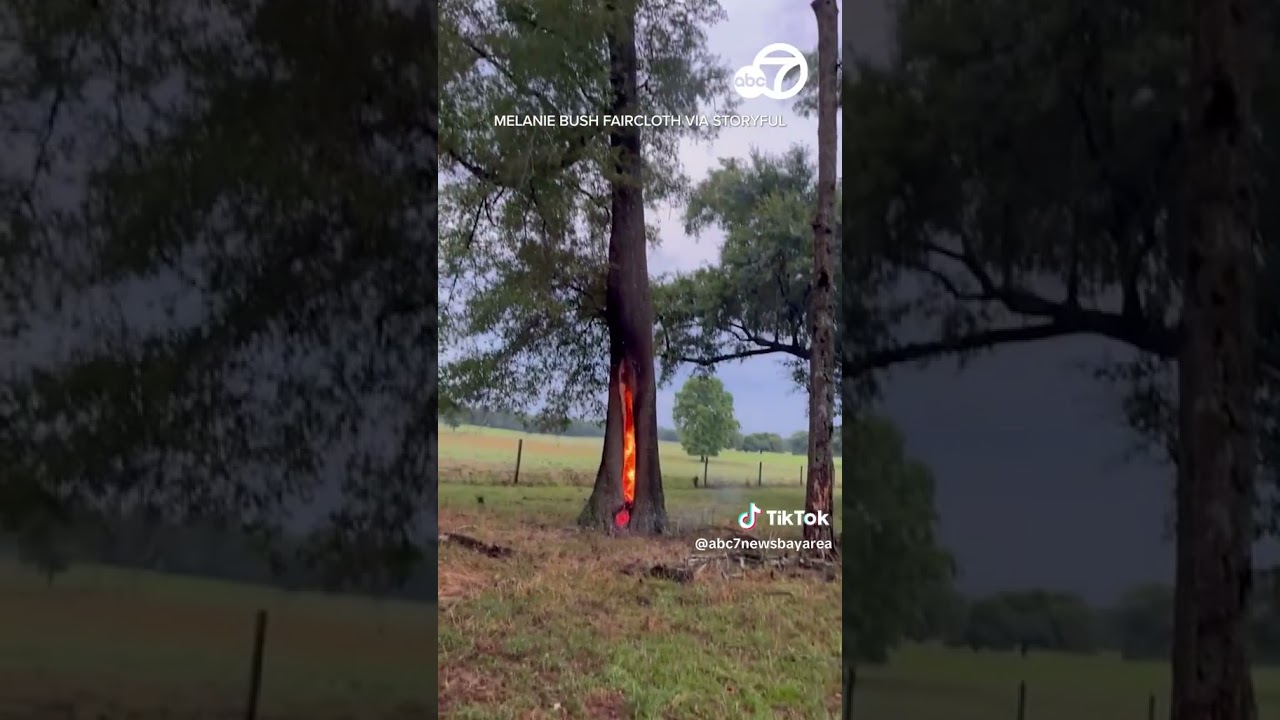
{"points": [[562, 630], [108, 644], [934, 683], [559, 631], [470, 454]]}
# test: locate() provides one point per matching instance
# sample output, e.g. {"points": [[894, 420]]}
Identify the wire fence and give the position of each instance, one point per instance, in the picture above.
{"points": [[526, 468]]}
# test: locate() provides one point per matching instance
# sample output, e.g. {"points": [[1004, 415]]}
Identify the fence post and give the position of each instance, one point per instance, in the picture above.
{"points": [[255, 666], [1022, 700], [705, 460], [850, 678], [760, 474], [519, 453], [1151, 706], [801, 476]]}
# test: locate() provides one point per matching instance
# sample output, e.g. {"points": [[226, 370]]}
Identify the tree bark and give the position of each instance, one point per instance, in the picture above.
{"points": [[628, 308], [1216, 432], [818, 495]]}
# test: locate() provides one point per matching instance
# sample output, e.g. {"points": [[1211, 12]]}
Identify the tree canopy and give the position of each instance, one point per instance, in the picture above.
{"points": [[704, 416], [754, 300], [523, 265], [219, 256]]}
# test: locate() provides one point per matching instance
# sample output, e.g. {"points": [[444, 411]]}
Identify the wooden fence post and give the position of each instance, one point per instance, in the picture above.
{"points": [[1022, 700], [705, 460], [519, 453], [1151, 706], [255, 666], [801, 476], [850, 678], [760, 474]]}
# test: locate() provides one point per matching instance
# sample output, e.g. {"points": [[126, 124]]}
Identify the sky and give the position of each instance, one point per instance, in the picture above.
{"points": [[765, 400]]}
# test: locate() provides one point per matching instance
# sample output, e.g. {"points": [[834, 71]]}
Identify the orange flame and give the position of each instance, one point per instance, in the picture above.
{"points": [[628, 451]]}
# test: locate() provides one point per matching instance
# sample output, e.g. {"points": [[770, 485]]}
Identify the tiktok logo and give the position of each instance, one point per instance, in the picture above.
{"points": [[747, 520]]}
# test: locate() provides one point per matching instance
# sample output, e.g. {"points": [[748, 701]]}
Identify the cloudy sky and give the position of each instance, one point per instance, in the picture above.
{"points": [[764, 399]]}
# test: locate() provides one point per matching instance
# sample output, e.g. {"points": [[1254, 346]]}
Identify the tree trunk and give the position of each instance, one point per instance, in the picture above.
{"points": [[1216, 434], [818, 492], [629, 315]]}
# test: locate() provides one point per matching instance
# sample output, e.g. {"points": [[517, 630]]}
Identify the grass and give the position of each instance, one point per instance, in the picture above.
{"points": [[113, 644], [560, 631], [481, 455], [933, 683]]}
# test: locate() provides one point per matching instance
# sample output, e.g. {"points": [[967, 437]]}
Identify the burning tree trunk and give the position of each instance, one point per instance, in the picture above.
{"points": [[628, 487], [1216, 453], [822, 360]]}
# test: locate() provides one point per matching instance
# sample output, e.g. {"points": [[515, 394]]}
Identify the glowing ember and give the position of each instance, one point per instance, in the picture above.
{"points": [[623, 516]]}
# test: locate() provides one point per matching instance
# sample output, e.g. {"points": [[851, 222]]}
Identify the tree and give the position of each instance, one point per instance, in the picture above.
{"points": [[763, 442], [536, 299], [820, 488], [894, 566], [798, 443], [241, 285], [1031, 619], [1216, 375], [704, 416], [1144, 622], [1056, 206], [754, 300]]}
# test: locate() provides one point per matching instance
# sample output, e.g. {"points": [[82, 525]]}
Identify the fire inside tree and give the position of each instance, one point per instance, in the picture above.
{"points": [[622, 518]]}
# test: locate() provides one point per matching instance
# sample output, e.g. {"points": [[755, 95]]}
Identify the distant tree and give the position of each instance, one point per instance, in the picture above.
{"points": [[41, 544], [704, 416], [763, 442], [798, 443], [942, 616], [1143, 622], [1032, 619], [992, 625]]}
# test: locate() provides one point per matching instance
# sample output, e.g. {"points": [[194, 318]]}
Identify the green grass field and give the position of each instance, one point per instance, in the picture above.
{"points": [[933, 683], [105, 644], [485, 455], [559, 631]]}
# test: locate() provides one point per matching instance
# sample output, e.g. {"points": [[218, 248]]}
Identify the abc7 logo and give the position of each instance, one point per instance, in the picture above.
{"points": [[750, 81]]}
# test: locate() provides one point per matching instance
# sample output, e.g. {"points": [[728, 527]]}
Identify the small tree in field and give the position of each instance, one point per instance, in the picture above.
{"points": [[704, 416]]}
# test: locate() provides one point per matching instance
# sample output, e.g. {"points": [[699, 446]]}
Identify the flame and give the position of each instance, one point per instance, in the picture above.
{"points": [[623, 516]]}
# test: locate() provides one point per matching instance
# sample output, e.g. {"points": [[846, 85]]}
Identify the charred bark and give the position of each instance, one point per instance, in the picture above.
{"points": [[628, 307], [1216, 443], [818, 495]]}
